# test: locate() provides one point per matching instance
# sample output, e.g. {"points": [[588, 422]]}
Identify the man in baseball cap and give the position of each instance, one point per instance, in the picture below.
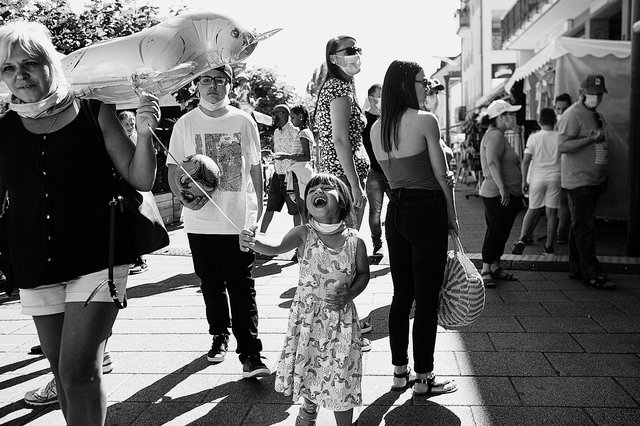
{"points": [[583, 145]]}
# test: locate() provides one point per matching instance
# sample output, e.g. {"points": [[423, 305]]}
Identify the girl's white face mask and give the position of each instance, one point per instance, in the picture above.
{"points": [[350, 65], [327, 228]]}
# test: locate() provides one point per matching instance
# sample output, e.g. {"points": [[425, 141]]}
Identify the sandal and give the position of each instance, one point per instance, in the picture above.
{"points": [[600, 282], [305, 417], [404, 376], [487, 279], [502, 275], [435, 387]]}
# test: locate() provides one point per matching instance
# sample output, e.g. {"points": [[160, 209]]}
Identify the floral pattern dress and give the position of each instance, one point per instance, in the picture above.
{"points": [[322, 358], [329, 163]]}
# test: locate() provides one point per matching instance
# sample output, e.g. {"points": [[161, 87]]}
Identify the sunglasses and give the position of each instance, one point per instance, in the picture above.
{"points": [[425, 84], [599, 123], [350, 51], [206, 81]]}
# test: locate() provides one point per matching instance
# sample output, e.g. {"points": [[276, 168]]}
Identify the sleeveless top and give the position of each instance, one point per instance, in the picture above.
{"points": [[411, 172], [59, 189], [510, 166]]}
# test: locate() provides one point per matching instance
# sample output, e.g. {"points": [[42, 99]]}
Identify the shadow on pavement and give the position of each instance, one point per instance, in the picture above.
{"points": [[409, 413], [152, 405]]}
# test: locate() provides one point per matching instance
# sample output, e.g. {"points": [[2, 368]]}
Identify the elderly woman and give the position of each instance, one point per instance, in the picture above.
{"points": [[55, 163], [501, 189], [421, 211]]}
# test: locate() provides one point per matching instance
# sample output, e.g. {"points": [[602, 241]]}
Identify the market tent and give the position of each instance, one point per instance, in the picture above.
{"points": [[578, 47], [560, 68]]}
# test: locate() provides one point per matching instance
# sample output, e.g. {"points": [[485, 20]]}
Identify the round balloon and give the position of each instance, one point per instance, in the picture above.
{"points": [[201, 169]]}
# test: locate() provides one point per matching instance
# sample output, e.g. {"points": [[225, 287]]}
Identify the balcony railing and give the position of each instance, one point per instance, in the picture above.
{"points": [[518, 15]]}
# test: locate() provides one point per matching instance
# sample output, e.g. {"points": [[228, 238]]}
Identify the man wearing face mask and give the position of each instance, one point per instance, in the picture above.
{"points": [[582, 141]]}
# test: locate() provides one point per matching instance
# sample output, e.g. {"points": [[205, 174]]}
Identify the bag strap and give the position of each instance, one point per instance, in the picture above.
{"points": [[91, 109], [457, 244]]}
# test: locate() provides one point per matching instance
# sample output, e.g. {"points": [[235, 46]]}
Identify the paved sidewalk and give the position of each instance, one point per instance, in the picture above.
{"points": [[547, 350]]}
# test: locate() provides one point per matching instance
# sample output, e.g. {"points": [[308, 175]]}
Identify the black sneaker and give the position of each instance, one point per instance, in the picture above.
{"points": [[547, 250], [218, 348], [139, 267], [377, 246], [253, 367], [518, 247]]}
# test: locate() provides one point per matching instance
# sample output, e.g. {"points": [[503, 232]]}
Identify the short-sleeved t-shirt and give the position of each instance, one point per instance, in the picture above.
{"points": [[286, 140], [545, 161], [232, 141], [586, 166], [335, 88]]}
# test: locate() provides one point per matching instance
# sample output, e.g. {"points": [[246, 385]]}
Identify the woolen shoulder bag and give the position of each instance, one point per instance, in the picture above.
{"points": [[462, 294], [136, 211]]}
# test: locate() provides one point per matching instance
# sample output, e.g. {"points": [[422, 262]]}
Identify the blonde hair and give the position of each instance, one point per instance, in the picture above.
{"points": [[35, 39]]}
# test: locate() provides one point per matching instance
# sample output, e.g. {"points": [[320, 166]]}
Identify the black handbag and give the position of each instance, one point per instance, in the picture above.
{"points": [[6, 276], [138, 213]]}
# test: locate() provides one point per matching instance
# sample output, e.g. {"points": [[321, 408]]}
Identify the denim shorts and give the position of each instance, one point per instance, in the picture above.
{"points": [[50, 299]]}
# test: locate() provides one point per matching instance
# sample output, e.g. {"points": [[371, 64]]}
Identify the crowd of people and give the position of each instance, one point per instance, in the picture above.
{"points": [[391, 146]]}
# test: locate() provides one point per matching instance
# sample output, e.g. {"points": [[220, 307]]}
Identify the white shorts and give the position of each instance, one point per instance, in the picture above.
{"points": [[50, 299], [544, 194]]}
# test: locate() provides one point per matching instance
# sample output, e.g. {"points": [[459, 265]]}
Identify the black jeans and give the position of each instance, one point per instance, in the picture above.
{"points": [[582, 244], [223, 268], [416, 231], [499, 221]]}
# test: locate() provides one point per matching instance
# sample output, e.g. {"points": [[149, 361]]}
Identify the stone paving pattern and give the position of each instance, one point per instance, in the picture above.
{"points": [[547, 349]]}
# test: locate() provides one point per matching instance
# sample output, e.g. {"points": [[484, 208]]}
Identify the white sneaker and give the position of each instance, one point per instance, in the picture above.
{"points": [[46, 395]]}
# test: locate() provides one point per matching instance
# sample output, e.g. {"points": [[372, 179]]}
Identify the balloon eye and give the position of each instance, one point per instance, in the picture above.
{"points": [[235, 33]]}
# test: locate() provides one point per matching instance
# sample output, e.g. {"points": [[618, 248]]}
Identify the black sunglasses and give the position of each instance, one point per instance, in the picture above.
{"points": [[351, 50], [424, 82], [599, 123]]}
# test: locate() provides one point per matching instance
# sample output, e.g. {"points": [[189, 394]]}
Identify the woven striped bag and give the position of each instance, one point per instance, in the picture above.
{"points": [[462, 293]]}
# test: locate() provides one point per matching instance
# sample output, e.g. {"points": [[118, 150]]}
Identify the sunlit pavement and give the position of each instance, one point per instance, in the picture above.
{"points": [[547, 349]]}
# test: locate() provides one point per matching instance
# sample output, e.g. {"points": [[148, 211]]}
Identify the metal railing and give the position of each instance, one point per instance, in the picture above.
{"points": [[518, 15]]}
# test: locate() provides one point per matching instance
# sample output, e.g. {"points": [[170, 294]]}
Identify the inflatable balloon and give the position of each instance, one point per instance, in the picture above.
{"points": [[159, 59], [202, 170]]}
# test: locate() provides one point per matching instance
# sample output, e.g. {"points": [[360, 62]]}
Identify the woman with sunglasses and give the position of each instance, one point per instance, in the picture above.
{"points": [[56, 160], [421, 211], [340, 121], [501, 189]]}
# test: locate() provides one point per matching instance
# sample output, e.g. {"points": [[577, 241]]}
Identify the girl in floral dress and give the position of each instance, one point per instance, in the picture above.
{"points": [[322, 359]]}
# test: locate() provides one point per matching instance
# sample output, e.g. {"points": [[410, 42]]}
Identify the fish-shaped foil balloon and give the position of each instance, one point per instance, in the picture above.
{"points": [[159, 59]]}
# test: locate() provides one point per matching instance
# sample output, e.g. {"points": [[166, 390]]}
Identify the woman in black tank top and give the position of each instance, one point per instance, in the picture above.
{"points": [[421, 211]]}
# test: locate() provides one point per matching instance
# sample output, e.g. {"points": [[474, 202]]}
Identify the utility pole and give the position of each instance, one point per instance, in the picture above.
{"points": [[633, 221]]}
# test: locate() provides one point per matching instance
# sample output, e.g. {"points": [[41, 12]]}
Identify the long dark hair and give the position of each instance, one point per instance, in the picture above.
{"points": [[344, 196], [398, 94]]}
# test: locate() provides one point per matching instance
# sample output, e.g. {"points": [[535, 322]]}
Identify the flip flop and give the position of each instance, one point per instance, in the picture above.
{"points": [[601, 283], [487, 279], [502, 275]]}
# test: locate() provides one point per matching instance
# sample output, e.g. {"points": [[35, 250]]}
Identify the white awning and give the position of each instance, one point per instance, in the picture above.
{"points": [[491, 95], [577, 47]]}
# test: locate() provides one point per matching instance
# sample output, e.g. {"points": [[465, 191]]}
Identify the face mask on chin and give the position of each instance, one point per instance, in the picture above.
{"points": [[591, 101], [350, 65]]}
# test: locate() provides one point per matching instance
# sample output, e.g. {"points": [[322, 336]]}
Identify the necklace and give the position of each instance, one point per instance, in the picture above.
{"points": [[44, 136]]}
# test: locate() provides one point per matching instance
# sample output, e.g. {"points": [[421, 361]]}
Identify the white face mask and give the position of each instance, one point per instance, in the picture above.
{"points": [[591, 101], [350, 65], [327, 228], [213, 107], [431, 103]]}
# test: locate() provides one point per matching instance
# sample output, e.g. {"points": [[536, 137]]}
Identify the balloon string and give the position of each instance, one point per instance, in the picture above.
{"points": [[191, 177]]}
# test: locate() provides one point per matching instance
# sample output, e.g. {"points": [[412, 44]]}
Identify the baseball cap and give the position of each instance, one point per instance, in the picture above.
{"points": [[594, 84], [434, 85], [498, 107], [226, 68]]}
